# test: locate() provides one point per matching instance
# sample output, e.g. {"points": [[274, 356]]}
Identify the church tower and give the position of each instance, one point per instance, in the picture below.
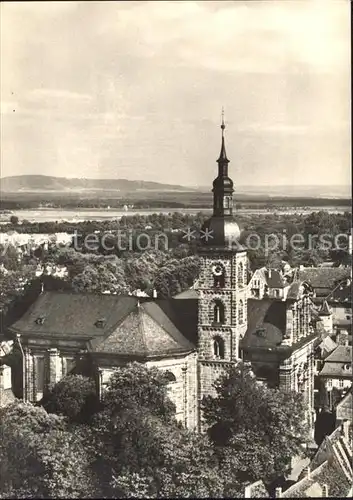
{"points": [[222, 285]]}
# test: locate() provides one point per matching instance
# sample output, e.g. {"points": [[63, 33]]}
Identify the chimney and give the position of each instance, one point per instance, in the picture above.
{"points": [[154, 293], [278, 492], [308, 471], [247, 491], [269, 273]]}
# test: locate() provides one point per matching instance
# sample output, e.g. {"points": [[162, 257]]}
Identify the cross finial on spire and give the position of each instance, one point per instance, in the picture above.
{"points": [[223, 157]]}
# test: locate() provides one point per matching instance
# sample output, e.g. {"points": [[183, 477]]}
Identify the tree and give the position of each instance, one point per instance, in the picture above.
{"points": [[14, 220], [41, 457], [9, 257], [255, 429], [142, 450], [75, 397]]}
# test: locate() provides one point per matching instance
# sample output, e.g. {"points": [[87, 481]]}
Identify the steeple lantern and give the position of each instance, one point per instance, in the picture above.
{"points": [[223, 185]]}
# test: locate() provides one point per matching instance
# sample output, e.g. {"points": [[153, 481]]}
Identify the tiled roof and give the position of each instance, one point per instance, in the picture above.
{"points": [[74, 314], [294, 289], [338, 363], [331, 466], [342, 354], [324, 309], [145, 331], [344, 409], [190, 293], [274, 278], [183, 314], [266, 323], [113, 323], [327, 345], [341, 294], [325, 278]]}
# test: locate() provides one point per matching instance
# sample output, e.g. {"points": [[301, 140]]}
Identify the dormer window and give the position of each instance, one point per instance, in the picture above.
{"points": [[346, 367], [40, 320], [261, 331], [170, 377], [100, 323]]}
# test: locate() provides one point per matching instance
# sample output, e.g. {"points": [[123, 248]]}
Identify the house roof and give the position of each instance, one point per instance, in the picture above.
{"points": [[116, 324], [322, 277], [331, 466], [344, 409], [190, 293], [266, 323], [274, 278], [327, 345], [342, 354], [324, 309], [74, 314], [338, 363], [145, 331]]}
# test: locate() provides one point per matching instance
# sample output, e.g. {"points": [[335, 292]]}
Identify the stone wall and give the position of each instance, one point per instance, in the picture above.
{"points": [[182, 391]]}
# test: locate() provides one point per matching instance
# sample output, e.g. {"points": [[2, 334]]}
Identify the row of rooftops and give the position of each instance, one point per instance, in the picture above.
{"points": [[128, 325]]}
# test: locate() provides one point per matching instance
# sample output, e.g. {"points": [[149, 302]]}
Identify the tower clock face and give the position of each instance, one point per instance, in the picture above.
{"points": [[217, 270]]}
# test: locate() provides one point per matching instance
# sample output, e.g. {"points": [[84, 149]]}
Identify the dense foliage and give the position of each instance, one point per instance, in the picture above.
{"points": [[256, 430], [132, 446], [117, 260]]}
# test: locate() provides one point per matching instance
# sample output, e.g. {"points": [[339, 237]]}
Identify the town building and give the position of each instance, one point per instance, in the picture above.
{"points": [[330, 472], [336, 375], [193, 337], [270, 283]]}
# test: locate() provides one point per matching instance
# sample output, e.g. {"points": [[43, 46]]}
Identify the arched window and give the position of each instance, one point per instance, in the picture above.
{"points": [[218, 281], [218, 312], [241, 312], [218, 347], [240, 274], [218, 275], [170, 376]]}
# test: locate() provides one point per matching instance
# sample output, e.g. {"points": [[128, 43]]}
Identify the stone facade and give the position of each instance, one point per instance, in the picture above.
{"points": [[222, 314], [296, 373]]}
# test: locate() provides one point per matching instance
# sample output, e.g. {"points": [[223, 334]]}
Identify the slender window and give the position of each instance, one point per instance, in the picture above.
{"points": [[240, 274], [218, 348], [40, 374], [241, 312], [218, 312]]}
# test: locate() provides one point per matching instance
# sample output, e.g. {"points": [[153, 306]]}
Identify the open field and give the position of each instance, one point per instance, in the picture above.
{"points": [[157, 200], [78, 215]]}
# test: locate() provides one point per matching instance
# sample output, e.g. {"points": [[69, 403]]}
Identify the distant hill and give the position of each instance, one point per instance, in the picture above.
{"points": [[293, 191], [45, 183], [49, 184]]}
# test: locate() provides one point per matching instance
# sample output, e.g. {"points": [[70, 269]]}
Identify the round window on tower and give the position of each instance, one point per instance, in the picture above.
{"points": [[218, 275]]}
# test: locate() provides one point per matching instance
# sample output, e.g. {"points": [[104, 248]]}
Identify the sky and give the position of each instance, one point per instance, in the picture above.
{"points": [[135, 90]]}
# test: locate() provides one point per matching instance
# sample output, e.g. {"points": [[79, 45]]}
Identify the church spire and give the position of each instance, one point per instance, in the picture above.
{"points": [[223, 155], [223, 160], [222, 185]]}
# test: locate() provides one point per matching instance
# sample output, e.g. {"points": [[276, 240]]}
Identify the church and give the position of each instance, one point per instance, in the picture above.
{"points": [[191, 337]]}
